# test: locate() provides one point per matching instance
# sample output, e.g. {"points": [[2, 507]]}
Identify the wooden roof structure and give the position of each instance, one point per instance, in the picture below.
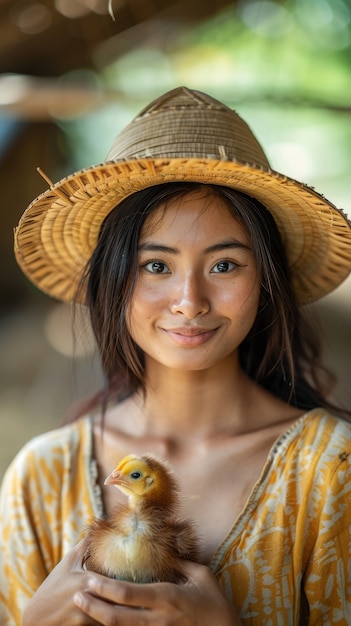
{"points": [[57, 36]]}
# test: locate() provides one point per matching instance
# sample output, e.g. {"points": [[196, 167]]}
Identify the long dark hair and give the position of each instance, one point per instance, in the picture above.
{"points": [[281, 353]]}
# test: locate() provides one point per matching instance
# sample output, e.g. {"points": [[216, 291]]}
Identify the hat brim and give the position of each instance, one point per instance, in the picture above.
{"points": [[58, 232]]}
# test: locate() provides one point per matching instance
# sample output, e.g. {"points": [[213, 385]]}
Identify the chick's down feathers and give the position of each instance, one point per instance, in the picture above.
{"points": [[142, 540]]}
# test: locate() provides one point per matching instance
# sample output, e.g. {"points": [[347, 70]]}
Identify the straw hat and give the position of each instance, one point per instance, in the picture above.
{"points": [[184, 135]]}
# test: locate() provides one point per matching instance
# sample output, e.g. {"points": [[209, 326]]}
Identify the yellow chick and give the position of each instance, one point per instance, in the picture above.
{"points": [[142, 541]]}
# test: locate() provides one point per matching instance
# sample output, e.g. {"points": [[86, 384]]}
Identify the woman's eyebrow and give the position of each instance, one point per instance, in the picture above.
{"points": [[217, 247], [156, 247], [231, 244]]}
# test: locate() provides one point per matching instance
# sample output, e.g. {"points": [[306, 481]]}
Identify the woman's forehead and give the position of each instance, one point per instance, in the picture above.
{"points": [[196, 210]]}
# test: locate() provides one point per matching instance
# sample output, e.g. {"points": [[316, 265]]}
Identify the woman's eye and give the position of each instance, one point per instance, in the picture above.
{"points": [[223, 266], [156, 267]]}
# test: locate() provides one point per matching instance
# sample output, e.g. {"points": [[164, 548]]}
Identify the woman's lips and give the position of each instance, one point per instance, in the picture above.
{"points": [[190, 336]]}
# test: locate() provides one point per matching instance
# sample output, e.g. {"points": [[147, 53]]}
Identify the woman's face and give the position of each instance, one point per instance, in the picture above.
{"points": [[197, 291]]}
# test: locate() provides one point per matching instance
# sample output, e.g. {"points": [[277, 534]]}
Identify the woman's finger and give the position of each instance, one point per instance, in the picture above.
{"points": [[128, 594], [108, 613]]}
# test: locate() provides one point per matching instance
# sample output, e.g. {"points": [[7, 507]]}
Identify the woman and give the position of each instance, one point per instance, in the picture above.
{"points": [[192, 256]]}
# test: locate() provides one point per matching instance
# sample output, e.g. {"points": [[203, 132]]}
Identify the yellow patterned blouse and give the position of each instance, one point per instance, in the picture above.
{"points": [[286, 561]]}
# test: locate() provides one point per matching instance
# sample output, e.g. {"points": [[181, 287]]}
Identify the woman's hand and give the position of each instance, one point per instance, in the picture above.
{"points": [[198, 601], [52, 603]]}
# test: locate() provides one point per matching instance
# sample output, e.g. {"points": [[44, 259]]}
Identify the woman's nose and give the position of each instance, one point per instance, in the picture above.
{"points": [[190, 299]]}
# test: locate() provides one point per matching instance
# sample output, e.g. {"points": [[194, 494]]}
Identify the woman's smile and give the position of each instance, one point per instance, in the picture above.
{"points": [[197, 292], [188, 336]]}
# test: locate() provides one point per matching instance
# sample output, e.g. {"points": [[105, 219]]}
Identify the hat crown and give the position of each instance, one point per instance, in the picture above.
{"points": [[185, 123]]}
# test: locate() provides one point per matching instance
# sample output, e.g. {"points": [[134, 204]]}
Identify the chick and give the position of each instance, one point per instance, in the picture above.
{"points": [[142, 541]]}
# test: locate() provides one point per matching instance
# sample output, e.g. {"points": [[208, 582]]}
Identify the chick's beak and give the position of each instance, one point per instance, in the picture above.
{"points": [[114, 478]]}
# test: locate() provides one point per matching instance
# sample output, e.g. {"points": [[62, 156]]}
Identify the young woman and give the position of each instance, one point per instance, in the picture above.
{"points": [[193, 257]]}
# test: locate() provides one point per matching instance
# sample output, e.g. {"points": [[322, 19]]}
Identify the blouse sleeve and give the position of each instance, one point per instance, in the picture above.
{"points": [[46, 499], [23, 562], [327, 579]]}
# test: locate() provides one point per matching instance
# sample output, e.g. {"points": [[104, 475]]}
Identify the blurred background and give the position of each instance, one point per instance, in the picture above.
{"points": [[74, 72]]}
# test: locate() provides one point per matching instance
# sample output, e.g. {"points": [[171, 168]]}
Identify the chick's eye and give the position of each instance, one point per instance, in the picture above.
{"points": [[223, 266], [136, 475], [156, 267]]}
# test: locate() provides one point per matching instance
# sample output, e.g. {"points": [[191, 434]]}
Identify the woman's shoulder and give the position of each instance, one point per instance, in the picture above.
{"points": [[319, 437], [321, 422], [55, 448]]}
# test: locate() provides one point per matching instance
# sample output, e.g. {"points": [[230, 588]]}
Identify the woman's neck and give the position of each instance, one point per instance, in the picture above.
{"points": [[200, 403], [184, 407]]}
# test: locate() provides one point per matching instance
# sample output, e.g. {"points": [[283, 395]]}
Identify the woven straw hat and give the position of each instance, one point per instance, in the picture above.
{"points": [[184, 135]]}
